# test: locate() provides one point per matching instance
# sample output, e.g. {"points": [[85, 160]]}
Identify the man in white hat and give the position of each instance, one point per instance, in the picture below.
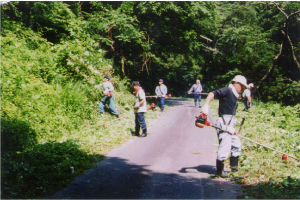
{"points": [[228, 143], [247, 97]]}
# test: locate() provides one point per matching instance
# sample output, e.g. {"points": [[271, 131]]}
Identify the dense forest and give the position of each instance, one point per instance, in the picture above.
{"points": [[54, 52], [176, 41]]}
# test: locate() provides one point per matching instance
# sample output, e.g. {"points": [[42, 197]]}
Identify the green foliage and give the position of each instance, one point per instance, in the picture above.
{"points": [[43, 168], [49, 111], [286, 189], [262, 171], [16, 136], [53, 53], [277, 127]]}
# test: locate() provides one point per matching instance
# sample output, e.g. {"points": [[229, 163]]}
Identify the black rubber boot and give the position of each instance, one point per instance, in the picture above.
{"points": [[144, 134], [234, 163], [118, 117], [220, 169], [137, 131]]}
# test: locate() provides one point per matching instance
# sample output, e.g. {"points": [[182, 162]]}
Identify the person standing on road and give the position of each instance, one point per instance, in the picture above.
{"points": [[161, 92], [247, 97], [196, 89], [228, 143], [107, 88], [140, 108]]}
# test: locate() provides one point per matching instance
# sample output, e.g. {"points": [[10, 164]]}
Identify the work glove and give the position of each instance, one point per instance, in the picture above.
{"points": [[136, 106], [205, 109], [201, 121], [108, 94]]}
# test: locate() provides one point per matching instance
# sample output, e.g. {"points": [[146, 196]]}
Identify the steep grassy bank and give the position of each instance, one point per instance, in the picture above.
{"points": [[50, 127]]}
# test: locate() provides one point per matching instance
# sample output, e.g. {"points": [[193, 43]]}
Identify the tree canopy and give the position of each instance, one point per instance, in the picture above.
{"points": [[177, 41]]}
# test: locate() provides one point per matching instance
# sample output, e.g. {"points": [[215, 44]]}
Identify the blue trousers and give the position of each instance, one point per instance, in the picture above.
{"points": [[161, 102], [111, 104], [197, 97], [140, 122]]}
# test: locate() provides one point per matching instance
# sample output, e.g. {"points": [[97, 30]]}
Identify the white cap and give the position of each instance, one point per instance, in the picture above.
{"points": [[241, 79], [250, 85], [198, 80]]}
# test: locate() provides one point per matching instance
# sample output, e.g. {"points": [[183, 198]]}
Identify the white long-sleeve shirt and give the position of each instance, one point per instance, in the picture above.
{"points": [[246, 93], [196, 89], [161, 90], [106, 87]]}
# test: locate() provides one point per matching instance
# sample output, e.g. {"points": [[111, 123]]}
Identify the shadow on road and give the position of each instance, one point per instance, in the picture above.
{"points": [[116, 178], [201, 168]]}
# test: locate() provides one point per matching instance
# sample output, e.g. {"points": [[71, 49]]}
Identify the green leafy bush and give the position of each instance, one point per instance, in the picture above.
{"points": [[16, 135], [278, 127], [43, 168]]}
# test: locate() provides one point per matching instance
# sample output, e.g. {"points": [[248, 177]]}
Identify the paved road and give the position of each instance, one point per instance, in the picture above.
{"points": [[174, 162]]}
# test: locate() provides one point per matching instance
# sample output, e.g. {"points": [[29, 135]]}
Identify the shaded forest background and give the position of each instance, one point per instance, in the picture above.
{"points": [[176, 41], [53, 53]]}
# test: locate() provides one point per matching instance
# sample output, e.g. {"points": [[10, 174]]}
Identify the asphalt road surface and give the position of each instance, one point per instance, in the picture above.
{"points": [[174, 162]]}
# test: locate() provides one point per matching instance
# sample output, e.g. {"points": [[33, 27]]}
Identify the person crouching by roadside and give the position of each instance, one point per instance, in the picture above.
{"points": [[140, 108], [196, 89], [161, 92], [247, 97], [107, 88], [228, 143]]}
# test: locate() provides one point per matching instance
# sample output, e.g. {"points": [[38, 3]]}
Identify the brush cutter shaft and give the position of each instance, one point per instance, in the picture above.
{"points": [[226, 131], [116, 119], [157, 97], [268, 147], [254, 142]]}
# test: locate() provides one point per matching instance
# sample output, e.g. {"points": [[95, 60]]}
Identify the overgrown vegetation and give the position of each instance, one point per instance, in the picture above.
{"points": [[262, 171], [53, 53], [49, 111], [277, 127]]}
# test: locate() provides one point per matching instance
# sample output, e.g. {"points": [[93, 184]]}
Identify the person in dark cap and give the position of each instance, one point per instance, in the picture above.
{"points": [[161, 92], [107, 88], [140, 108]]}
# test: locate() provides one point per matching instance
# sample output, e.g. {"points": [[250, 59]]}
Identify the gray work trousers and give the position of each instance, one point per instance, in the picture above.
{"points": [[227, 143]]}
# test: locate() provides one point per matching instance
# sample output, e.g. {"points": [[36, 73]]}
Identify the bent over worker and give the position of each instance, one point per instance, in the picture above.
{"points": [[228, 143], [107, 88]]}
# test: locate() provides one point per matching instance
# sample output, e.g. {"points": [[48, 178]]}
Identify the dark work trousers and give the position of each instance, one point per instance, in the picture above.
{"points": [[197, 97], [161, 102], [140, 122], [246, 103]]}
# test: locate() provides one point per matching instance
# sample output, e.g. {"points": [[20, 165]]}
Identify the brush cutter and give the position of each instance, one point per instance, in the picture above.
{"points": [[201, 122]]}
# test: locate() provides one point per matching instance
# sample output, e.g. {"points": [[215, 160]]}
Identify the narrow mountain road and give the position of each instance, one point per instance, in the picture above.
{"points": [[174, 162]]}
